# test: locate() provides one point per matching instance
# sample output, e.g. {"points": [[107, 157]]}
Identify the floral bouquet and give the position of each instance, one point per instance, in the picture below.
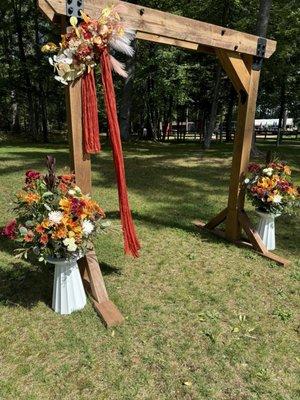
{"points": [[80, 48], [271, 189], [54, 218]]}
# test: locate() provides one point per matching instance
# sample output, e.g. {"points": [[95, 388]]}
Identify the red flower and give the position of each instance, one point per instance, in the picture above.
{"points": [[32, 175], [10, 229], [253, 168], [85, 30], [44, 238]]}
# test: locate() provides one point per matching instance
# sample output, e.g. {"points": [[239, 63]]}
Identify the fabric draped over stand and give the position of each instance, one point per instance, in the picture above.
{"points": [[91, 145]]}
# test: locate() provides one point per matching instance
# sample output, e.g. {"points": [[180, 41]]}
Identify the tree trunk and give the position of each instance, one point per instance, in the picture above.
{"points": [[15, 117], [42, 101], [263, 17], [261, 30], [126, 105], [26, 74], [229, 115], [214, 110]]}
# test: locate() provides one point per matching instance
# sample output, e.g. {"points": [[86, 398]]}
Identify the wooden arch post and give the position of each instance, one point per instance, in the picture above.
{"points": [[241, 56]]}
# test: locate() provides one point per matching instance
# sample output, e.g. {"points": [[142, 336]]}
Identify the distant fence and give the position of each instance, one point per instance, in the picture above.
{"points": [[218, 136]]}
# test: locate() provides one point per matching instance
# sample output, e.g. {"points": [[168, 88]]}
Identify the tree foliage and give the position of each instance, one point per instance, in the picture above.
{"points": [[165, 81]]}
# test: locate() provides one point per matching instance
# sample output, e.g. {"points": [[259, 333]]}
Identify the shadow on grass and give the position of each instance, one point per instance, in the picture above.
{"points": [[25, 285], [171, 184]]}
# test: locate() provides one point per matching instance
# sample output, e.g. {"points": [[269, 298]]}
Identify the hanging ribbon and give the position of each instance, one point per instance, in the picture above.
{"points": [[131, 243], [90, 123]]}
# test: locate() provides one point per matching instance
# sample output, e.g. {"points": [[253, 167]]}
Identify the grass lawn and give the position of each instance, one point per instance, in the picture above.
{"points": [[204, 319]]}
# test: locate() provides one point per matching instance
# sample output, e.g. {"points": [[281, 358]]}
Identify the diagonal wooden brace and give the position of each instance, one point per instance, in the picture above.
{"points": [[95, 286]]}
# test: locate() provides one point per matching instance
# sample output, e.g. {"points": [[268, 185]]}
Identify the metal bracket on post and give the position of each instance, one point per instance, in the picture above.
{"points": [[73, 8], [260, 54]]}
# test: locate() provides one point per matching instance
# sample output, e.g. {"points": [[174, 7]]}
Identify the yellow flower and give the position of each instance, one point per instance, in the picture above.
{"points": [[65, 204], [46, 223], [49, 48]]}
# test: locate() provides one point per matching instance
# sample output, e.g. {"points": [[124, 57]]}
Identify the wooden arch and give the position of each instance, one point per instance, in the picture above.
{"points": [[240, 55]]}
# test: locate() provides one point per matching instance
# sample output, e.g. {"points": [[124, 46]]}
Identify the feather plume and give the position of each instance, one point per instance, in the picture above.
{"points": [[123, 43], [118, 67]]}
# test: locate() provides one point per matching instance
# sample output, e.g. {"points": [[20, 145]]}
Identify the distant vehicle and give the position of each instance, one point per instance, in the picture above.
{"points": [[272, 124]]}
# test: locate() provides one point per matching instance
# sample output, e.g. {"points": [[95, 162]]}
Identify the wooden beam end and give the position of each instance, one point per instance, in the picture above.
{"points": [[109, 313]]}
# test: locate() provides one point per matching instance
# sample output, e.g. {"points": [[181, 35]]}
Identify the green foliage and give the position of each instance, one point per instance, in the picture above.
{"points": [[166, 81]]}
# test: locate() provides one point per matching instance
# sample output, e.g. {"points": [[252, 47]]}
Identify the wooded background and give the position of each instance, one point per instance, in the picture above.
{"points": [[164, 82]]}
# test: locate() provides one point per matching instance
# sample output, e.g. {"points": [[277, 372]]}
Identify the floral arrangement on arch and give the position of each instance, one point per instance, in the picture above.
{"points": [[270, 188], [80, 48], [85, 45], [54, 218]]}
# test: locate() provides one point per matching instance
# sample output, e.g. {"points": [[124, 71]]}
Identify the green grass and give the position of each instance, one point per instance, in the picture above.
{"points": [[204, 319]]}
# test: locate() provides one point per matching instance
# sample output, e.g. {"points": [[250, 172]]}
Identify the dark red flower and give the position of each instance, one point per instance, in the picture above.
{"points": [[253, 168], [10, 229], [32, 175]]}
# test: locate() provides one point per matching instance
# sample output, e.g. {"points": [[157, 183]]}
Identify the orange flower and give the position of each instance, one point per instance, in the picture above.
{"points": [[29, 237], [60, 233], [63, 187], [292, 191], [267, 183], [32, 198], [39, 228], [287, 170], [44, 238]]}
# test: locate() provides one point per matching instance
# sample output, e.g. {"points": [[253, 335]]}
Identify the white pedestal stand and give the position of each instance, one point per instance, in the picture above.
{"points": [[68, 290], [266, 228]]}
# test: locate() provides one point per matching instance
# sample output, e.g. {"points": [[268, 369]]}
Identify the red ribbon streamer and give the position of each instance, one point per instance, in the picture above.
{"points": [[90, 123], [131, 243]]}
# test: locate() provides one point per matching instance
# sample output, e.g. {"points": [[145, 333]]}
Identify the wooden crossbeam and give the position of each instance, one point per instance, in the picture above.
{"points": [[166, 25], [185, 44]]}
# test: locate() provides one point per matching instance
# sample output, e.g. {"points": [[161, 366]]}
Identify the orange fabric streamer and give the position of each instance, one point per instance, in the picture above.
{"points": [[131, 243], [90, 123]]}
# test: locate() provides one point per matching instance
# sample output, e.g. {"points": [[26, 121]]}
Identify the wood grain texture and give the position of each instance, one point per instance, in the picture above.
{"points": [[241, 156], [235, 67], [175, 42], [217, 220], [109, 313], [242, 243], [164, 24], [80, 162]]}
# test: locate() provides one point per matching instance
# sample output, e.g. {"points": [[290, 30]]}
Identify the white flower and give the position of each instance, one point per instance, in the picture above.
{"points": [[75, 191], [87, 227], [61, 80], [63, 58], [70, 244], [77, 188], [268, 171], [247, 180], [277, 199], [55, 216]]}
